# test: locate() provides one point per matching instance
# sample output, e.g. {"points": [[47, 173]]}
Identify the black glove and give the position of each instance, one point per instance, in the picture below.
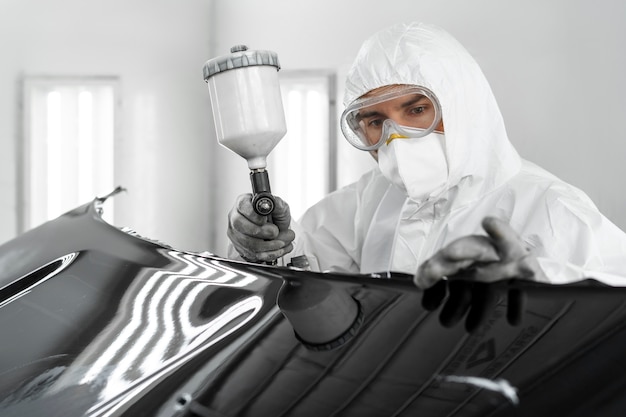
{"points": [[462, 270], [256, 239], [473, 300]]}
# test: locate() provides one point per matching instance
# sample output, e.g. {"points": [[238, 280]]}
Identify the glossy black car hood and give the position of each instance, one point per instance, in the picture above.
{"points": [[96, 321]]}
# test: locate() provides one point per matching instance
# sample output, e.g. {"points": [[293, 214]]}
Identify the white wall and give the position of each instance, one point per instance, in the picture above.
{"points": [[157, 48], [557, 68]]}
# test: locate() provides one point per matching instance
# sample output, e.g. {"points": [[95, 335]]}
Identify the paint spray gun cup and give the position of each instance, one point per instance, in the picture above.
{"points": [[248, 111]]}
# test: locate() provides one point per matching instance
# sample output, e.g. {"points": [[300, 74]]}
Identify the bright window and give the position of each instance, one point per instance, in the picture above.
{"points": [[301, 168], [68, 147]]}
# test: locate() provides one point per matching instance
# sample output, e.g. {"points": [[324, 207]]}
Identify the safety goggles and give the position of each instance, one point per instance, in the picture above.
{"points": [[400, 112]]}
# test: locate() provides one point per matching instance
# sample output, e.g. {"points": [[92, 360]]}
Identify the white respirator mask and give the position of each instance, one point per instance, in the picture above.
{"points": [[417, 166]]}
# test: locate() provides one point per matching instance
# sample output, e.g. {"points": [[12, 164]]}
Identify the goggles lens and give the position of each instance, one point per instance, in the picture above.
{"points": [[403, 112]]}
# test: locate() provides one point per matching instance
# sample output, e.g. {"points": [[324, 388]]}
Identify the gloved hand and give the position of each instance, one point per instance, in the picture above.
{"points": [[464, 266], [254, 238]]}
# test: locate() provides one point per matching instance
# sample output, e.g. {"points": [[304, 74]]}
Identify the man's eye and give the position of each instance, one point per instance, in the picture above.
{"points": [[375, 123], [418, 110]]}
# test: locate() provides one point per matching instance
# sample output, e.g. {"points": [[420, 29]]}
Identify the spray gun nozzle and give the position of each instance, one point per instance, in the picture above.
{"points": [[263, 204]]}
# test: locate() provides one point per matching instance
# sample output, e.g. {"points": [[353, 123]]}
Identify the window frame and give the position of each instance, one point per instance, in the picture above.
{"points": [[29, 84], [328, 77]]}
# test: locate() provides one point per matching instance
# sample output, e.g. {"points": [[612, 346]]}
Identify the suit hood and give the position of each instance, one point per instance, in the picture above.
{"points": [[479, 153]]}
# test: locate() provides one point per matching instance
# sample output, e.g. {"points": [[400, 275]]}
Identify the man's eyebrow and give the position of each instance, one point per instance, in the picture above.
{"points": [[408, 103], [367, 114], [414, 100]]}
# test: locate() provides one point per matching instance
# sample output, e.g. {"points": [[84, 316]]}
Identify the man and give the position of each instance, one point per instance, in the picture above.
{"points": [[447, 173]]}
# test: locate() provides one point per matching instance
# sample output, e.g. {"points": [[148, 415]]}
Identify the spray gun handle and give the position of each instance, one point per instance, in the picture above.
{"points": [[262, 199]]}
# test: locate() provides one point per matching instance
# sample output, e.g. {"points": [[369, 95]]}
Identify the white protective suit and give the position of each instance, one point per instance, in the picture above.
{"points": [[371, 226]]}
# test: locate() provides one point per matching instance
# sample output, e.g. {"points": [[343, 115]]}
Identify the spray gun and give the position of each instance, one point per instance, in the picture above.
{"points": [[250, 121], [248, 113]]}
